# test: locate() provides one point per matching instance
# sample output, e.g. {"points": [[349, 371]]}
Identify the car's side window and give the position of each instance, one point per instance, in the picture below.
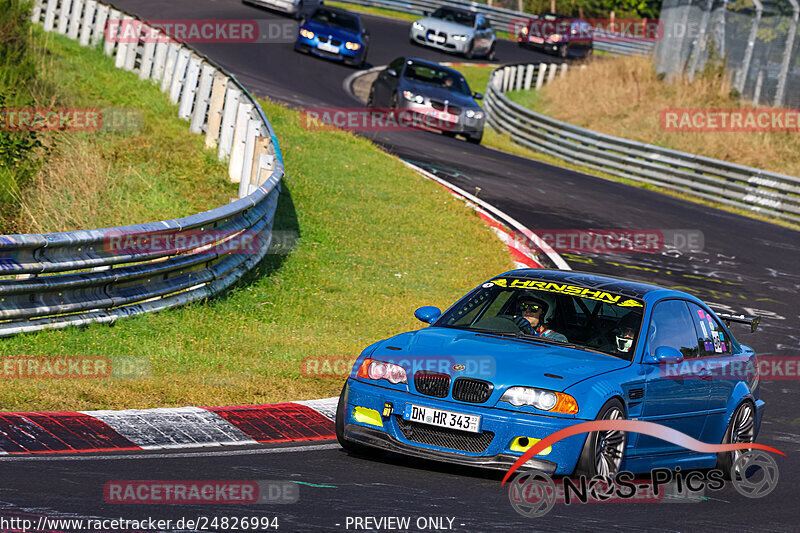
{"points": [[672, 325], [710, 335]]}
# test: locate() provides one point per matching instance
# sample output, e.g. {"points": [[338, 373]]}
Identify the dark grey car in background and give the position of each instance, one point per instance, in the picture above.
{"points": [[432, 91]]}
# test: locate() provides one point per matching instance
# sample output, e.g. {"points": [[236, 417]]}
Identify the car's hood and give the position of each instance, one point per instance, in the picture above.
{"points": [[443, 25], [502, 361], [438, 93], [338, 33]]}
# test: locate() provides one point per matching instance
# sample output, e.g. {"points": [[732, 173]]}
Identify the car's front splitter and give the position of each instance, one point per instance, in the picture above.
{"points": [[504, 424], [379, 439]]}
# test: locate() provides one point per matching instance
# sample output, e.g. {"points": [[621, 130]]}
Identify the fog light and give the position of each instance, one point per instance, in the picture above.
{"points": [[367, 416], [523, 444]]}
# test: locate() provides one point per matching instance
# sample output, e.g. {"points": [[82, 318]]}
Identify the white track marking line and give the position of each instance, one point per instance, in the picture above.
{"points": [[181, 455]]}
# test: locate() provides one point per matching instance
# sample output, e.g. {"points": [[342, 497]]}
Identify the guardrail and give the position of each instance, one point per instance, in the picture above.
{"points": [[500, 18], [753, 189], [74, 278]]}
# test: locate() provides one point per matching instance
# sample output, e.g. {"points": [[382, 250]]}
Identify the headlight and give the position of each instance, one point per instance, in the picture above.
{"points": [[544, 400], [307, 34], [474, 113], [524, 30], [411, 97], [460, 37], [372, 369], [417, 26], [352, 46]]}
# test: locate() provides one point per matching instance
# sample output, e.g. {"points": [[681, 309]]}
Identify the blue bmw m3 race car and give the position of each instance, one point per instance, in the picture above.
{"points": [[531, 352]]}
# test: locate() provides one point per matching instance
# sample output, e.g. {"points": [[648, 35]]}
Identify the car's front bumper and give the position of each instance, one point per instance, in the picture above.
{"points": [[428, 117], [427, 38], [543, 45], [311, 46], [380, 439], [506, 425], [285, 6]]}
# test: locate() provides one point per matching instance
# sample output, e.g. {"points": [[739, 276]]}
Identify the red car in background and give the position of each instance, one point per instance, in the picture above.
{"points": [[559, 34]]}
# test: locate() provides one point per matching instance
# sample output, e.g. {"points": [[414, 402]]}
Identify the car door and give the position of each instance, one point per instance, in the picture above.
{"points": [[725, 367], [675, 395]]}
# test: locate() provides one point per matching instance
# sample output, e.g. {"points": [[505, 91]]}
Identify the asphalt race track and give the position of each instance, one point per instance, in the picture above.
{"points": [[745, 264]]}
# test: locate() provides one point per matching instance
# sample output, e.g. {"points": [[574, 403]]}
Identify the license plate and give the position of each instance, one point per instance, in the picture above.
{"points": [[436, 38], [327, 47], [441, 418]]}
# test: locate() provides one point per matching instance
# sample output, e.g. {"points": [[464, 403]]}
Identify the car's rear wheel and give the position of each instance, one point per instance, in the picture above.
{"points": [[563, 51], [742, 428], [348, 445], [603, 451]]}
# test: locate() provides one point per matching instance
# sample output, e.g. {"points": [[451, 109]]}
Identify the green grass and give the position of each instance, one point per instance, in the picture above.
{"points": [[380, 11], [376, 242], [110, 178]]}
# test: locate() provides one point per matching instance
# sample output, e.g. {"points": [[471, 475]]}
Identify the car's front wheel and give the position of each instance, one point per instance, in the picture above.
{"points": [[475, 138], [603, 450], [742, 428], [469, 53], [350, 446]]}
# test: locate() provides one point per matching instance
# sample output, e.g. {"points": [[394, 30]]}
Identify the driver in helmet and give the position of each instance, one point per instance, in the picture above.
{"points": [[533, 312], [625, 333]]}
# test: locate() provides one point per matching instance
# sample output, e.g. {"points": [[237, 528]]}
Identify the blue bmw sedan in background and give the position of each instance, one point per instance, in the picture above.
{"points": [[531, 352], [335, 34]]}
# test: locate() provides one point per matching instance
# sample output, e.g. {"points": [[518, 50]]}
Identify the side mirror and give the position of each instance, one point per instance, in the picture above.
{"points": [[391, 72], [477, 96], [428, 314], [665, 355]]}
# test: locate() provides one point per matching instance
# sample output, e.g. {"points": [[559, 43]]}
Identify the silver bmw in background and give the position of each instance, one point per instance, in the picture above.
{"points": [[455, 30], [295, 8]]}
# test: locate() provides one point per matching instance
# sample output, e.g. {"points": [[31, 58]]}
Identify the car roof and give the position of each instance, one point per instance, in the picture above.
{"points": [[634, 289]]}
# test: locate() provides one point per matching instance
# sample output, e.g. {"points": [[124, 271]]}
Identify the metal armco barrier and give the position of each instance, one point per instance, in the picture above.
{"points": [[73, 278], [500, 18], [757, 190]]}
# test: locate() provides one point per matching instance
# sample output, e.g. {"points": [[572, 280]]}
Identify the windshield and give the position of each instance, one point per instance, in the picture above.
{"points": [[342, 21], [558, 313], [446, 79], [453, 15]]}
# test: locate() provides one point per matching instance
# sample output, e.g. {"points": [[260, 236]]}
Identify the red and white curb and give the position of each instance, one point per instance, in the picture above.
{"points": [[166, 428], [525, 256]]}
